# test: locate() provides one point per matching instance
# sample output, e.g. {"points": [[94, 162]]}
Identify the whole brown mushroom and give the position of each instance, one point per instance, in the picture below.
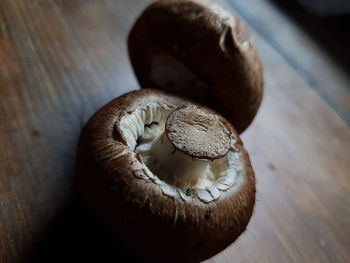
{"points": [[198, 50], [170, 177]]}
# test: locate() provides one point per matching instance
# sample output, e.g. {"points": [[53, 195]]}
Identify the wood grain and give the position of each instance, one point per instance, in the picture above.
{"points": [[323, 64], [62, 60]]}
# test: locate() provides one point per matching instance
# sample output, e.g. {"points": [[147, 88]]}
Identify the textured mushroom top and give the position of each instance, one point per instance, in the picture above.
{"points": [[200, 51], [197, 133]]}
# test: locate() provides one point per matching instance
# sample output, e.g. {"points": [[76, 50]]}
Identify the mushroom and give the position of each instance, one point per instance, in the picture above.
{"points": [[169, 176], [200, 51]]}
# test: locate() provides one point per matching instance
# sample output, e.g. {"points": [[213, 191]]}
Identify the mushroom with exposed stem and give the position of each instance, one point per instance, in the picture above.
{"points": [[165, 173]]}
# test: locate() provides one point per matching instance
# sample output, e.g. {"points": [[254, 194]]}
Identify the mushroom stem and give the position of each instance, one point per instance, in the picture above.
{"points": [[175, 167], [192, 138]]}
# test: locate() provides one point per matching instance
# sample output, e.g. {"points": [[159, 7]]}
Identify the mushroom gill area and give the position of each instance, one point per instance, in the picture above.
{"points": [[144, 130], [169, 73]]}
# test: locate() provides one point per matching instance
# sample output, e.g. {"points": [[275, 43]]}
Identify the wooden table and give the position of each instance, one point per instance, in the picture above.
{"points": [[62, 60]]}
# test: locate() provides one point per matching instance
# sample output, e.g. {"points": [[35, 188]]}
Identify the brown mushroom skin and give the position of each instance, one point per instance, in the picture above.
{"points": [[158, 227], [213, 44]]}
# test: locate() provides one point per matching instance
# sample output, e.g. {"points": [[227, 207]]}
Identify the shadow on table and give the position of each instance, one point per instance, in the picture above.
{"points": [[75, 235]]}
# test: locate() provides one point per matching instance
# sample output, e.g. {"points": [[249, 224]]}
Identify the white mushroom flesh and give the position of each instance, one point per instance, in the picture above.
{"points": [[143, 130]]}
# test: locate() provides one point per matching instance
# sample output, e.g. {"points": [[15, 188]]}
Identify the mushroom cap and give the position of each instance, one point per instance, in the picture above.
{"points": [[222, 67], [157, 220]]}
